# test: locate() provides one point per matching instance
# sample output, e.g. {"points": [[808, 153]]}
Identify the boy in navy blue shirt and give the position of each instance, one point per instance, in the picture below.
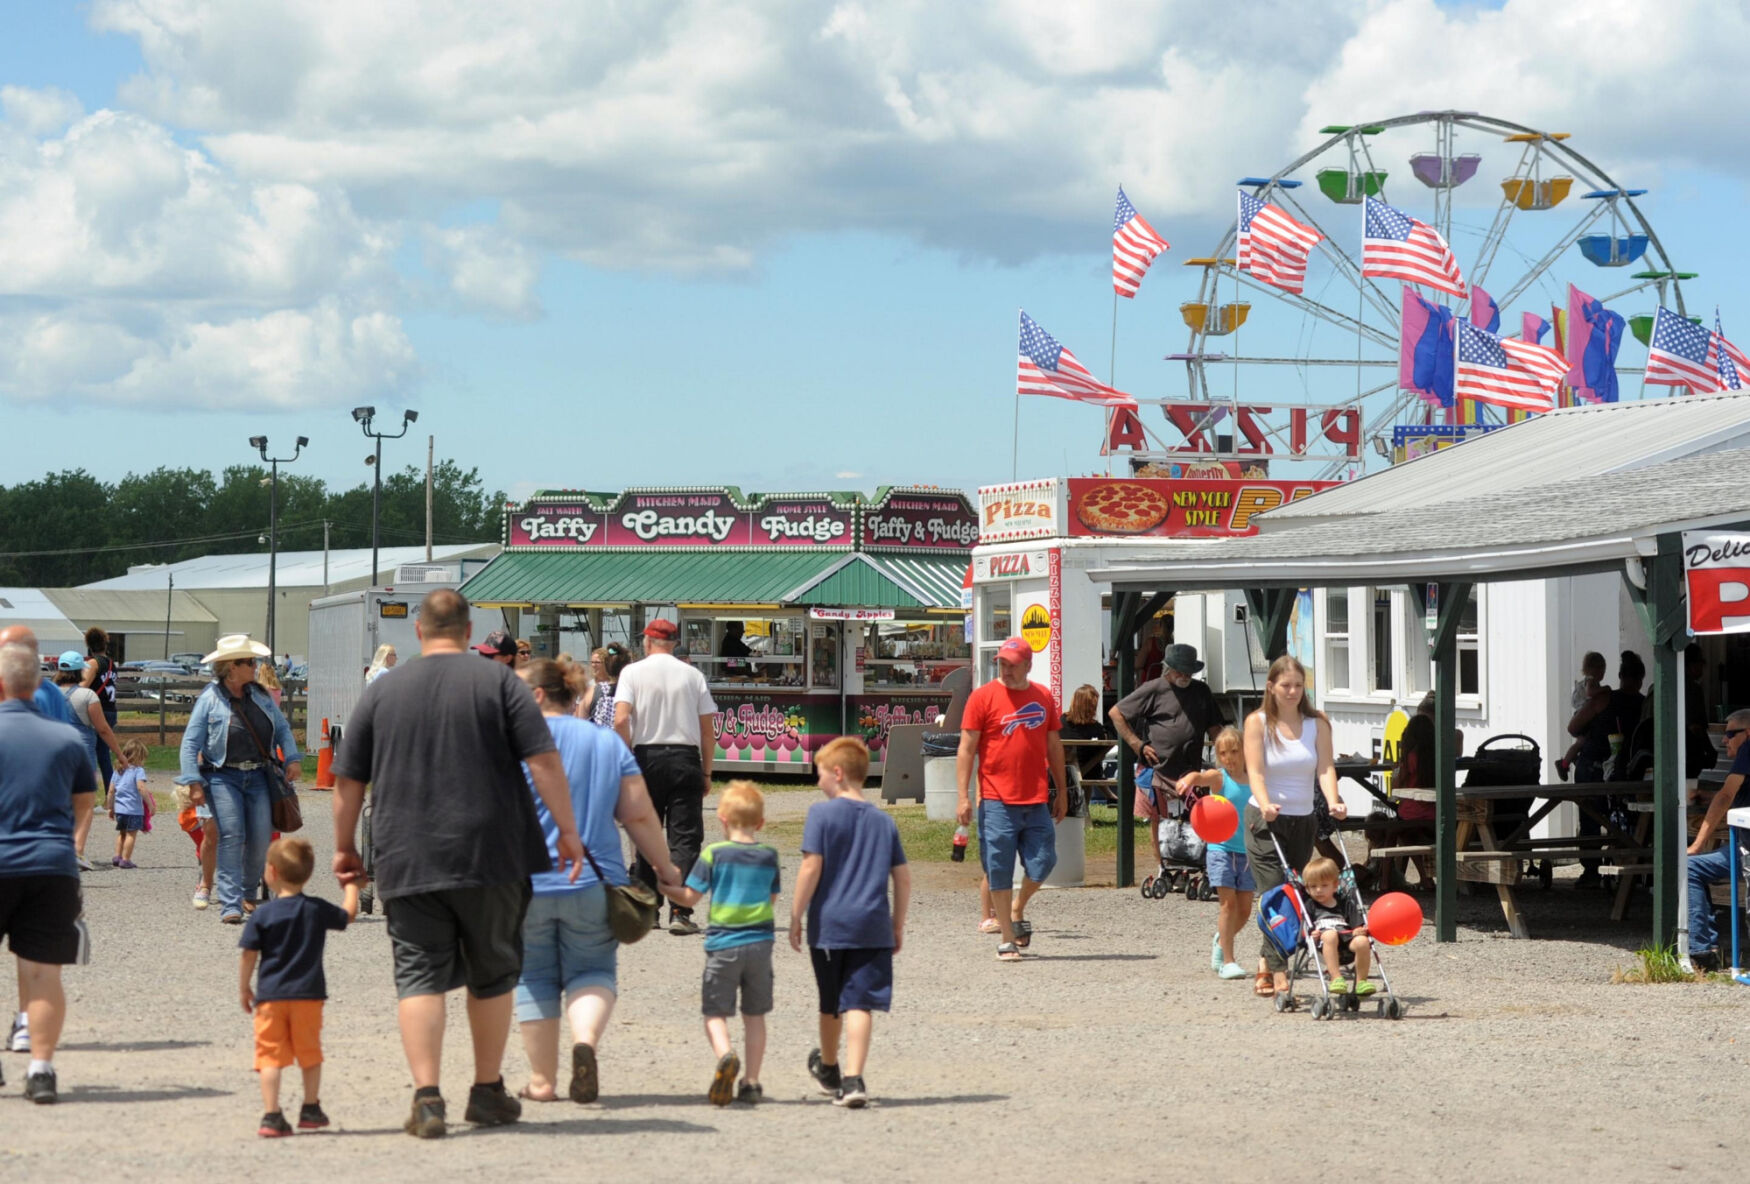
{"points": [[287, 935], [850, 849]]}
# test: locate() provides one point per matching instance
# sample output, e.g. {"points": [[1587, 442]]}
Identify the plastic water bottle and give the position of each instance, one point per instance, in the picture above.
{"points": [[961, 835]]}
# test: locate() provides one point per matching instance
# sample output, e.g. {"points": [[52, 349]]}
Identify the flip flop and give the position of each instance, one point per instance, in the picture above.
{"points": [[526, 1096], [1264, 986], [990, 925], [1008, 952], [1023, 933]]}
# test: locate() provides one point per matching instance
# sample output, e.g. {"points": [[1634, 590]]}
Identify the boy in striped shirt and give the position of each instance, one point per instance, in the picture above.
{"points": [[741, 877]]}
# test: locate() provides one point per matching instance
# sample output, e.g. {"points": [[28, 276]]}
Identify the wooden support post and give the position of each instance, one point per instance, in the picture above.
{"points": [[1269, 610], [1671, 635], [1129, 615], [1453, 599]]}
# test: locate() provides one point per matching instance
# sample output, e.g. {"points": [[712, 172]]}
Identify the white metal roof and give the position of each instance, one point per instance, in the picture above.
{"points": [[297, 569], [29, 606], [1589, 441], [1573, 522], [104, 606]]}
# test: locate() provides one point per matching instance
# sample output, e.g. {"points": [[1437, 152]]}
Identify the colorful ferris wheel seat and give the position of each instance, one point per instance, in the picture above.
{"points": [[1613, 250], [1214, 320], [1642, 327], [1347, 188], [1444, 172], [1530, 193]]}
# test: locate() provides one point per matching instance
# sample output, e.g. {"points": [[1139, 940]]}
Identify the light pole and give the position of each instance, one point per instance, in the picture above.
{"points": [[273, 522], [363, 417]]}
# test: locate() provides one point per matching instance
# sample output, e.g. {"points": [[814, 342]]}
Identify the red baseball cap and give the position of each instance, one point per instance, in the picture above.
{"points": [[497, 645], [661, 629], [1015, 650]]}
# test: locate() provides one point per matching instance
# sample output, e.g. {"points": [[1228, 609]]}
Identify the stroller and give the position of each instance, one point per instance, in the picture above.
{"points": [[1182, 852], [1285, 919]]}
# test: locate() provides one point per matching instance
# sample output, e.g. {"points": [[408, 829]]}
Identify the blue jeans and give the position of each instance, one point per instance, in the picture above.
{"points": [[567, 947], [244, 809], [1005, 831], [1704, 870]]}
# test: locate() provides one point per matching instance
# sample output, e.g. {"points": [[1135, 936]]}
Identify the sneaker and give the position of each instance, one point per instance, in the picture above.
{"points": [[1562, 767], [585, 1082], [1233, 970], [19, 1041], [85, 865], [115, 861], [274, 1126], [682, 925], [1705, 961], [490, 1105], [232, 918], [127, 863], [202, 898], [750, 1093], [1215, 954], [39, 1087], [311, 1118], [427, 1119], [852, 1095], [722, 1091], [826, 1076]]}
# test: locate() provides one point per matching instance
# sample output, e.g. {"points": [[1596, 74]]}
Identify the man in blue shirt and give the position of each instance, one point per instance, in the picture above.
{"points": [[1712, 867], [46, 787]]}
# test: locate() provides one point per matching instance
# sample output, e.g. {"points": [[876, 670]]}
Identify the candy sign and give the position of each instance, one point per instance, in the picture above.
{"points": [[688, 518]]}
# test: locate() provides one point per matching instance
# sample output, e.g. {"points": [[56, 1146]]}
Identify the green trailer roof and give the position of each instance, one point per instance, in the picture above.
{"points": [[692, 577]]}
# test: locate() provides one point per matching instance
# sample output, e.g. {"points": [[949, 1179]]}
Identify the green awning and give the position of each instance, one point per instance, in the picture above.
{"points": [[838, 579]]}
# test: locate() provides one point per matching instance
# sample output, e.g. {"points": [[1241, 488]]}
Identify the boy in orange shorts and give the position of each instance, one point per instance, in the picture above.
{"points": [[286, 935]]}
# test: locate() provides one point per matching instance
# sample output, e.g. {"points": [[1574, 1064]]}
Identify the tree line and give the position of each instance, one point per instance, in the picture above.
{"points": [[71, 528]]}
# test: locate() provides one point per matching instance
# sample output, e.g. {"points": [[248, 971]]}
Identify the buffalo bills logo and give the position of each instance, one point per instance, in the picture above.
{"points": [[1030, 717]]}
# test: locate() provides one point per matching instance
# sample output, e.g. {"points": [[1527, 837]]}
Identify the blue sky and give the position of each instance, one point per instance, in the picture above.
{"points": [[780, 246]]}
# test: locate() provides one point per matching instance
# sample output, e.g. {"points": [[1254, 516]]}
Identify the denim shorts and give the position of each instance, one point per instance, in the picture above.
{"points": [[1005, 831], [567, 947], [1229, 869]]}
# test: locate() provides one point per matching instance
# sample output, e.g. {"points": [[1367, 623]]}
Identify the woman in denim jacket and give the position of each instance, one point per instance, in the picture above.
{"points": [[221, 761]]}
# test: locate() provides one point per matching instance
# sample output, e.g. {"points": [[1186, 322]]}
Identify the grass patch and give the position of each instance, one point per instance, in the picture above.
{"points": [[1656, 964]]}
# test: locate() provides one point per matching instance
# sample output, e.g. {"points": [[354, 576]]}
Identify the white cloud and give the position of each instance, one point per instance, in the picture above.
{"points": [[39, 112], [486, 270]]}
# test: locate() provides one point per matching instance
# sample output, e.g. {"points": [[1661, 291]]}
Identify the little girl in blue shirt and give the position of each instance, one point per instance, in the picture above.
{"points": [[128, 802], [1226, 864]]}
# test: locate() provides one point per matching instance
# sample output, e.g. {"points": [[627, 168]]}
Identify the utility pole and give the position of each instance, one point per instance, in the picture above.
{"points": [[325, 587], [273, 519], [430, 448], [363, 417], [164, 678]]}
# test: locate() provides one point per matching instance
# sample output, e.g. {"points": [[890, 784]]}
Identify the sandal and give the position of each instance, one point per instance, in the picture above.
{"points": [[526, 1096], [1008, 952], [1023, 933], [990, 925], [1264, 986]]}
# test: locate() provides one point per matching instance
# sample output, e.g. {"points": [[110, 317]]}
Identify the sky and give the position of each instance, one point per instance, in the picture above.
{"points": [[780, 245]]}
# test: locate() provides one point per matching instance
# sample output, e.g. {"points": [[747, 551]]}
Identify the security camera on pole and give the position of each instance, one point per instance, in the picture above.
{"points": [[259, 443], [363, 417]]}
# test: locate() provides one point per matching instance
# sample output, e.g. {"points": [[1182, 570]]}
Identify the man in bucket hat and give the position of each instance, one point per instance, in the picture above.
{"points": [[1011, 728], [1165, 722]]}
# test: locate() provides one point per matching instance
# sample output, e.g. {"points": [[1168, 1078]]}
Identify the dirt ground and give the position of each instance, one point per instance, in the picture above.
{"points": [[1113, 1053]]}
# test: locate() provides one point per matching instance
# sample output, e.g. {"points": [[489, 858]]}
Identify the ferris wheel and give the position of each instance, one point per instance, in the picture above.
{"points": [[1559, 217]]}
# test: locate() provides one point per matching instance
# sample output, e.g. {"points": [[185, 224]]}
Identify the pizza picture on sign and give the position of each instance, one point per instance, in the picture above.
{"points": [[1122, 507]]}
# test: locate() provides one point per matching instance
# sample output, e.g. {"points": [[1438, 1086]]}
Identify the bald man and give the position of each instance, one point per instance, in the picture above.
{"points": [[48, 700]]}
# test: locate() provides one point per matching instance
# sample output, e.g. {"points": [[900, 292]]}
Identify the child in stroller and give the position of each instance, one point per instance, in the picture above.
{"points": [[1337, 925]]}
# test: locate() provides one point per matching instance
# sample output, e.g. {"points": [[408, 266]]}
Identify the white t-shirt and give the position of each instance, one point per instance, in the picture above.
{"points": [[667, 697]]}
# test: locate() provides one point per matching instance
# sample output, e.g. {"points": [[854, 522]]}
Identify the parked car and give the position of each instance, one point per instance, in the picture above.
{"points": [[153, 677], [190, 662]]}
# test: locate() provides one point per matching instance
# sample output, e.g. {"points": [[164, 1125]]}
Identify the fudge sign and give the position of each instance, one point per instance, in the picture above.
{"points": [[911, 523], [1716, 570], [698, 519]]}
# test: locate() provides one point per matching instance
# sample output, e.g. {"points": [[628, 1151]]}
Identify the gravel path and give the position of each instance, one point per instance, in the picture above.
{"points": [[1112, 1054]]}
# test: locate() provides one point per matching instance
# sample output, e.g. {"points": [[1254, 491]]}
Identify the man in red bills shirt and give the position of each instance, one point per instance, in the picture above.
{"points": [[1011, 730]]}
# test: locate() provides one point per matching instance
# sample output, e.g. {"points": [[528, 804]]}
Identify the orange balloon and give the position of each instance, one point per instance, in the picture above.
{"points": [[1214, 819], [1394, 919]]}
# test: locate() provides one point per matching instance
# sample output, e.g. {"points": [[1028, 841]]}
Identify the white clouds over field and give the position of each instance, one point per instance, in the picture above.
{"points": [[283, 181]]}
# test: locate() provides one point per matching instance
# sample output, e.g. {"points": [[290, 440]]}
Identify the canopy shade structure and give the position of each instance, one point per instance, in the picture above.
{"points": [[1516, 504]]}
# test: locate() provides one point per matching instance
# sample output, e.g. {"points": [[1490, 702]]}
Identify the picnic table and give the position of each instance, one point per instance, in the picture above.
{"points": [[1487, 856], [1107, 787]]}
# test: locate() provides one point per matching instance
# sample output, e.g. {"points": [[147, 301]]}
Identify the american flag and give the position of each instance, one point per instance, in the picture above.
{"points": [[1397, 246], [1134, 246], [1729, 360], [1506, 372], [1678, 354], [1046, 368], [1273, 246]]}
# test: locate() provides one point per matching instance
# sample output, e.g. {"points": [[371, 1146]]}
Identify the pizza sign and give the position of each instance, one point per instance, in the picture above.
{"points": [[1716, 570], [1177, 509]]}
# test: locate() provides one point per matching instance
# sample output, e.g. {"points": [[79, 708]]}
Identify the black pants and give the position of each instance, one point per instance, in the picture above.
{"points": [[1584, 771], [676, 780], [104, 767], [1297, 833]]}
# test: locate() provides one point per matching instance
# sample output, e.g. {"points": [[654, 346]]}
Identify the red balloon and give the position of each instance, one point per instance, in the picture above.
{"points": [[1394, 919], [1214, 819]]}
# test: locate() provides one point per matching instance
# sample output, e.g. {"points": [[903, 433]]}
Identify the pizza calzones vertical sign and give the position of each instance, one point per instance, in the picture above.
{"points": [[1716, 572]]}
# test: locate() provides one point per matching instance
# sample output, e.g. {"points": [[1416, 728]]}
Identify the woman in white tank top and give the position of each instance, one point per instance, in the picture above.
{"points": [[1289, 759]]}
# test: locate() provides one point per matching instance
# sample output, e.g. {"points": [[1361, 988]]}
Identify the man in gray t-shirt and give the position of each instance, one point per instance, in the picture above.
{"points": [[663, 711], [443, 745]]}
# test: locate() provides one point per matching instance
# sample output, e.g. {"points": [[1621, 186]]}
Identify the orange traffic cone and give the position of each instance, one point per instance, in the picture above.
{"points": [[325, 761]]}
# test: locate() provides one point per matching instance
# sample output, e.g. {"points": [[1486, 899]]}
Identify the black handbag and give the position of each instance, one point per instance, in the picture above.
{"points": [[288, 817]]}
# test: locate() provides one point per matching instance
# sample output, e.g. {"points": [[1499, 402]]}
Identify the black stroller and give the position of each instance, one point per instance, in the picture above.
{"points": [[1510, 759], [1182, 853]]}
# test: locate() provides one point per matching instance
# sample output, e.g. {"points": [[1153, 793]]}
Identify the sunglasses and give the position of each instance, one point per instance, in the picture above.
{"points": [[1730, 732], [246, 661]]}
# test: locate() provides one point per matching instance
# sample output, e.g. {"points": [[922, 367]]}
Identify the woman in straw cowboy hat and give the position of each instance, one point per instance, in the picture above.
{"points": [[231, 724]]}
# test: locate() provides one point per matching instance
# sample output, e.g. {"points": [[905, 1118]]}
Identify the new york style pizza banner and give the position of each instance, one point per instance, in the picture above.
{"points": [[1141, 507]]}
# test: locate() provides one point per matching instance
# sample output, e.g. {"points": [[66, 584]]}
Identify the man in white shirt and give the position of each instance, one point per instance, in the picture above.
{"points": [[663, 711]]}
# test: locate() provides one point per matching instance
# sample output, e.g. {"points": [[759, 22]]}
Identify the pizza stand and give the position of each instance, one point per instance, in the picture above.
{"points": [[1543, 518], [1032, 576], [850, 609]]}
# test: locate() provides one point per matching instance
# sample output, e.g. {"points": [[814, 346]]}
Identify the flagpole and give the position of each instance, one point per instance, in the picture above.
{"points": [[1015, 449], [1112, 379]]}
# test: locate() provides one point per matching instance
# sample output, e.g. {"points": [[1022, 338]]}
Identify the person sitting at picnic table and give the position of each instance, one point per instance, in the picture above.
{"points": [[1707, 868], [1415, 770]]}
